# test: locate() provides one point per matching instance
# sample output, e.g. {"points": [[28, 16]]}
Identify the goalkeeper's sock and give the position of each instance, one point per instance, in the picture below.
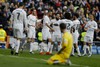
{"points": [[56, 62]]}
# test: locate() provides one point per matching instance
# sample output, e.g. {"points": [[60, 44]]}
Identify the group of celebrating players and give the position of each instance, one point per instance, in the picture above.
{"points": [[62, 31]]}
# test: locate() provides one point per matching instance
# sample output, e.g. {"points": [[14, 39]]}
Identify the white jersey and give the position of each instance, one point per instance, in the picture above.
{"points": [[76, 25], [46, 20], [32, 21], [68, 23], [19, 18], [53, 21], [56, 27], [91, 25]]}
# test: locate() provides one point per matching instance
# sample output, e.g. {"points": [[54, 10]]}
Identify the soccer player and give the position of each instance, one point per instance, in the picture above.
{"points": [[46, 33], [90, 27], [64, 54], [68, 21], [32, 19], [56, 36], [76, 25], [19, 21]]}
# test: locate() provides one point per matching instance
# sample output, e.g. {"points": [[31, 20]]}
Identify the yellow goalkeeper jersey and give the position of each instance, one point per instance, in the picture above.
{"points": [[67, 41]]}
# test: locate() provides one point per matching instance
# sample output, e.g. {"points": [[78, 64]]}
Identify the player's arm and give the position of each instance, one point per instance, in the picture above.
{"points": [[25, 21], [95, 26], [63, 48], [46, 23], [86, 27], [49, 27]]}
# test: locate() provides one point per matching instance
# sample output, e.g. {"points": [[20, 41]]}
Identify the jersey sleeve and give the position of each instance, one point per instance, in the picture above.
{"points": [[45, 20], [25, 20], [95, 26], [28, 19]]}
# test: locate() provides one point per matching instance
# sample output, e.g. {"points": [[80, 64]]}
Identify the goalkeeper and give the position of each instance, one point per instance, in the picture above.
{"points": [[64, 54]]}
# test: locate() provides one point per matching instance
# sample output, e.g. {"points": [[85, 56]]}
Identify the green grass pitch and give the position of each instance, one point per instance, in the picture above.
{"points": [[27, 60]]}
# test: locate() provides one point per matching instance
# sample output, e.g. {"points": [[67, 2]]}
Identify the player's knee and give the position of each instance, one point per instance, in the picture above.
{"points": [[50, 40]]}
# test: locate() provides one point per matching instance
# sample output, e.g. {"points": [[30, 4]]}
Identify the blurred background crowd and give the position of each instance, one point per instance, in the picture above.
{"points": [[56, 8]]}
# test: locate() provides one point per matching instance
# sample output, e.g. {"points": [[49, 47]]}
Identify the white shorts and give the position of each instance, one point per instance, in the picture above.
{"points": [[31, 33], [75, 37], [56, 37], [88, 39], [18, 33], [46, 34]]}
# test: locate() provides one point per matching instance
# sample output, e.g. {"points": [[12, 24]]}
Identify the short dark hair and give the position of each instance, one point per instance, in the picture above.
{"points": [[62, 26], [76, 15], [21, 4], [68, 15]]}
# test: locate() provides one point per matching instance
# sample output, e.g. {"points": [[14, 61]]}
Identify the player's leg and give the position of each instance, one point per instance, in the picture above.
{"points": [[76, 44], [77, 49], [90, 49], [12, 44], [90, 46], [73, 54], [19, 37], [84, 49], [55, 59], [50, 45], [85, 45], [44, 39], [32, 42]]}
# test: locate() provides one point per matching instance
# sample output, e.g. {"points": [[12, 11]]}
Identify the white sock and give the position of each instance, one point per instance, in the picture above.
{"points": [[13, 46], [90, 50], [18, 45], [59, 47], [73, 50], [84, 49], [51, 48], [55, 62], [41, 47], [78, 51], [48, 47], [31, 46]]}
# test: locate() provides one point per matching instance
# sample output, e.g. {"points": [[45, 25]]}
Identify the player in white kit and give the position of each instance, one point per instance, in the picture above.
{"points": [[90, 27], [46, 35], [32, 19], [76, 25], [56, 35], [19, 21], [67, 21]]}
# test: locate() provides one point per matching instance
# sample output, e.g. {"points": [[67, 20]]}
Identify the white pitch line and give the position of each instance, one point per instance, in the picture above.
{"points": [[77, 65]]}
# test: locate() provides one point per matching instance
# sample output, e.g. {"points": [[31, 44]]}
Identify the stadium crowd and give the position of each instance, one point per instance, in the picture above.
{"points": [[82, 7], [56, 9]]}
